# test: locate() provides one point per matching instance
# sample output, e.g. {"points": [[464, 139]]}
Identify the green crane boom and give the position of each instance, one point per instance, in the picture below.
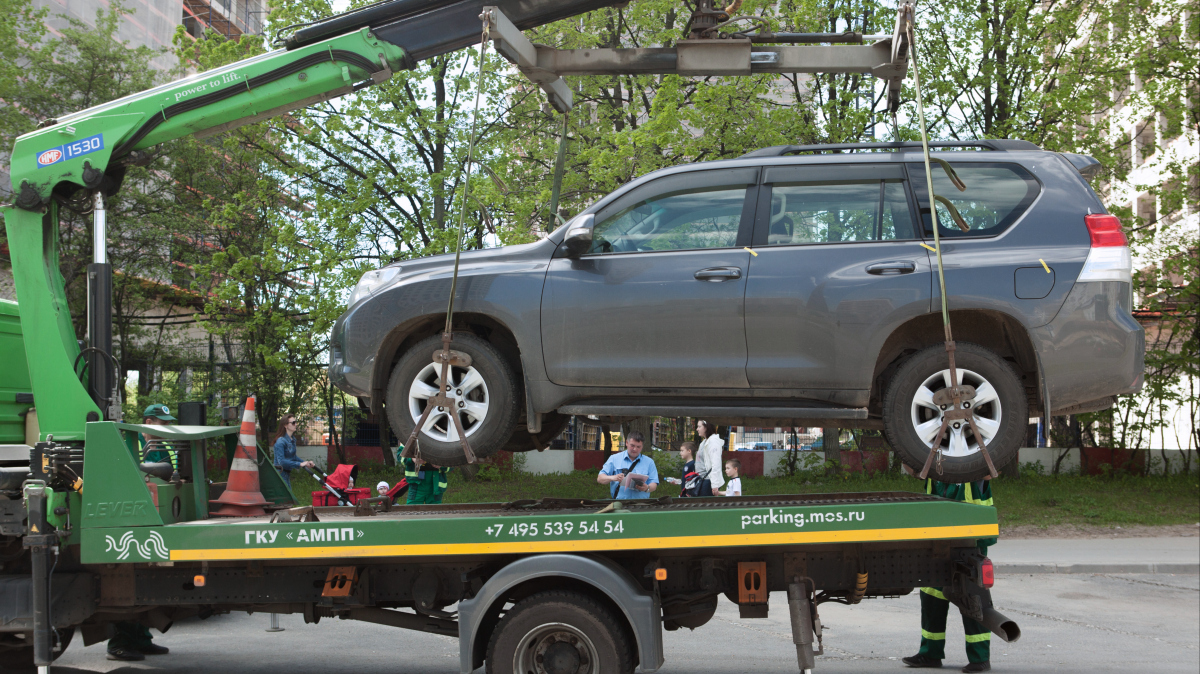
{"points": [[91, 150]]}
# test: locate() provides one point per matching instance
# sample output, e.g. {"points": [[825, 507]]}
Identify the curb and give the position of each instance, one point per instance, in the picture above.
{"points": [[1185, 569]]}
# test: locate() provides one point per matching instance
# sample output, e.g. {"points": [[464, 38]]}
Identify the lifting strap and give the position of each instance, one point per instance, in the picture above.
{"points": [[412, 448], [957, 412]]}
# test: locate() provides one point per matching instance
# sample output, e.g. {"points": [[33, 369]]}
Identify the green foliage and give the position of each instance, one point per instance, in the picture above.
{"points": [[623, 127], [267, 268]]}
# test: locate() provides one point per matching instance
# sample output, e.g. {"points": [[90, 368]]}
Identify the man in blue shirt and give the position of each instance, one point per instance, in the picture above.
{"points": [[629, 461]]}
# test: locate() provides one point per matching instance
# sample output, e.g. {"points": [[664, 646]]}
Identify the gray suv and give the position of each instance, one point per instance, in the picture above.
{"points": [[794, 286]]}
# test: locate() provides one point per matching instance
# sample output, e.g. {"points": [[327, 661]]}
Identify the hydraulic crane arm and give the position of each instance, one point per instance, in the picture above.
{"points": [[325, 60], [92, 148]]}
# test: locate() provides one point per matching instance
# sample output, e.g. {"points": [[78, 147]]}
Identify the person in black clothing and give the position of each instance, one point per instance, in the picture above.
{"points": [[689, 481]]}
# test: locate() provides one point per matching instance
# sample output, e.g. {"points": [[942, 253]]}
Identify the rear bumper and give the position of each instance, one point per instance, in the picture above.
{"points": [[1093, 348]]}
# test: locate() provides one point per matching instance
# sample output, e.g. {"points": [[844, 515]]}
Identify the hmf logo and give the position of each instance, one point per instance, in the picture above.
{"points": [[49, 157]]}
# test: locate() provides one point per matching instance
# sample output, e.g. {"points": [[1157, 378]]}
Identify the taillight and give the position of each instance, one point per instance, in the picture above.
{"points": [[1105, 231], [1109, 258], [987, 574]]}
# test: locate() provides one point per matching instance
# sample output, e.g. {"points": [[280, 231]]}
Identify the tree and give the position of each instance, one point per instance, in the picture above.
{"points": [[624, 126], [268, 269], [44, 78]]}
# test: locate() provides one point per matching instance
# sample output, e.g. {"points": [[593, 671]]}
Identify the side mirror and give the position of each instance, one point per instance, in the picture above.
{"points": [[578, 239]]}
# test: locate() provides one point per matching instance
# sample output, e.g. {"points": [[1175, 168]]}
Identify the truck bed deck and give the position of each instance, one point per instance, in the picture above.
{"points": [[551, 525]]}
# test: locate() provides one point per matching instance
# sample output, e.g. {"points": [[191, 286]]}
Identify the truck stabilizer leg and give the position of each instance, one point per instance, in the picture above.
{"points": [[39, 539], [801, 610]]}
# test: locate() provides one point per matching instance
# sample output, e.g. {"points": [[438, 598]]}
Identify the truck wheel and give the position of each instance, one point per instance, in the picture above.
{"points": [[560, 632], [16, 649], [912, 420], [522, 440], [485, 393]]}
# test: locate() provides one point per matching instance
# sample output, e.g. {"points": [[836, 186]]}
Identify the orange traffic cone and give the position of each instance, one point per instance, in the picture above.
{"points": [[243, 496]]}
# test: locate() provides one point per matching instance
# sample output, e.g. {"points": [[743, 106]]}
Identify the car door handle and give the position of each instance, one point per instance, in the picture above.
{"points": [[892, 267], [718, 274]]}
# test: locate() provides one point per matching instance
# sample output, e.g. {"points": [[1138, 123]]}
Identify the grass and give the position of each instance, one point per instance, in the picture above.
{"points": [[1033, 500]]}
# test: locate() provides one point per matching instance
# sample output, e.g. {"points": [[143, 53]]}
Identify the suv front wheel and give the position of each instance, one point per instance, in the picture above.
{"points": [[484, 394], [912, 419]]}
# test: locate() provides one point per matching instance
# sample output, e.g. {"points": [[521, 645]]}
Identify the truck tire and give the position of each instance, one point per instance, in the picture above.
{"points": [[486, 392], [911, 420], [560, 632], [522, 440], [16, 656]]}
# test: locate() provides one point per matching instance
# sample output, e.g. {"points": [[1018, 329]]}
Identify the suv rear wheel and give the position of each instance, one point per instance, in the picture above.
{"points": [[485, 395], [912, 420]]}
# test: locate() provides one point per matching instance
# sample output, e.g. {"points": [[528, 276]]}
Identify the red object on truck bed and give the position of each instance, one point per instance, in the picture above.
{"points": [[323, 499]]}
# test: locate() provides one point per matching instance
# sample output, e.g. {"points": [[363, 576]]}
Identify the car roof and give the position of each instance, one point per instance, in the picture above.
{"points": [[988, 150], [788, 155]]}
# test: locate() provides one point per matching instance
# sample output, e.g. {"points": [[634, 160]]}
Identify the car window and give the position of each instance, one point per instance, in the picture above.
{"points": [[996, 196], [841, 212], [683, 219]]}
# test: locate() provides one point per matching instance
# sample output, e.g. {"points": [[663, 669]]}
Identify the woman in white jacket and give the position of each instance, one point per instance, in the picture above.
{"points": [[708, 456]]}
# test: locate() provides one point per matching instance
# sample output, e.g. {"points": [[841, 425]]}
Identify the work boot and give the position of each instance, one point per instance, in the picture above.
{"points": [[922, 660], [125, 654], [153, 649], [978, 667]]}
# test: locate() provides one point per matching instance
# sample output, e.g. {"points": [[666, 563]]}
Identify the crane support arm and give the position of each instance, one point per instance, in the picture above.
{"points": [[90, 148]]}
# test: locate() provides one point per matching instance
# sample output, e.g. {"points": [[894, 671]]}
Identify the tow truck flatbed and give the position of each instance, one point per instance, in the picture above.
{"points": [[560, 525]]}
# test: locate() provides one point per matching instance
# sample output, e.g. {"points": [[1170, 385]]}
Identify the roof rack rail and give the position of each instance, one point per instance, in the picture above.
{"points": [[996, 145]]}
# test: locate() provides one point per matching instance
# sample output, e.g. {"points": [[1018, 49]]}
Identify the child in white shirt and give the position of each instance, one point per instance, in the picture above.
{"points": [[733, 487]]}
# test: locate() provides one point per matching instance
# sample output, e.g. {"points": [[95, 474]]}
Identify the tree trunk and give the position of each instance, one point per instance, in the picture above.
{"points": [[385, 438], [833, 452]]}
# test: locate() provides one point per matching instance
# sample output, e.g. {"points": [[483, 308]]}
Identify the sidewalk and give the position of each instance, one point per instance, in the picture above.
{"points": [[1097, 555]]}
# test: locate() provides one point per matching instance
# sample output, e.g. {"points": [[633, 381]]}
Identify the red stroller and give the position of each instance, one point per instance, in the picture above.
{"points": [[338, 491]]}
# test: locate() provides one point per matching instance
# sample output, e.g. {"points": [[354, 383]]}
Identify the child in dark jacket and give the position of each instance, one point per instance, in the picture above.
{"points": [[689, 481]]}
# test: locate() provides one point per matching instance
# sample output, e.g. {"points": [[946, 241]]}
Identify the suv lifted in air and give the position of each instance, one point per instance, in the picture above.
{"points": [[793, 286]]}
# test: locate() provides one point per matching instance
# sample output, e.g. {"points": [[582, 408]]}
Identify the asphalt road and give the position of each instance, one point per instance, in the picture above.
{"points": [[1071, 623]]}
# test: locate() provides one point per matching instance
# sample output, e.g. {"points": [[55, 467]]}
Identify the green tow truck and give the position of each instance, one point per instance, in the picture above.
{"points": [[91, 535]]}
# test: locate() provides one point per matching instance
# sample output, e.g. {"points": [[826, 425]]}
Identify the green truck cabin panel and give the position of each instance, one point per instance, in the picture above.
{"points": [[413, 534], [14, 376], [114, 489]]}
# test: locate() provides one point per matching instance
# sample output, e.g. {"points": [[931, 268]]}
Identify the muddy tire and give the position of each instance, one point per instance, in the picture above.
{"points": [[560, 632], [486, 395], [911, 419]]}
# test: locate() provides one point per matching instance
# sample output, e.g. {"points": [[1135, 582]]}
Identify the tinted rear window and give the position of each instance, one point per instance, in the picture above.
{"points": [[996, 197]]}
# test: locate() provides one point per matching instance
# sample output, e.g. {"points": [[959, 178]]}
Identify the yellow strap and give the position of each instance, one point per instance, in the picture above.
{"points": [[933, 592], [934, 636], [967, 494], [976, 638], [929, 486]]}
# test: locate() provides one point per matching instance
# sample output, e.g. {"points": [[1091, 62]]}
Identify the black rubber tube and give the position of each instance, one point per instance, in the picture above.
{"points": [[1000, 625]]}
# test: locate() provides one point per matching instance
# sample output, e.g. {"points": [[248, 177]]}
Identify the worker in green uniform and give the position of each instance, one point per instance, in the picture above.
{"points": [[156, 415], [426, 482], [935, 607]]}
